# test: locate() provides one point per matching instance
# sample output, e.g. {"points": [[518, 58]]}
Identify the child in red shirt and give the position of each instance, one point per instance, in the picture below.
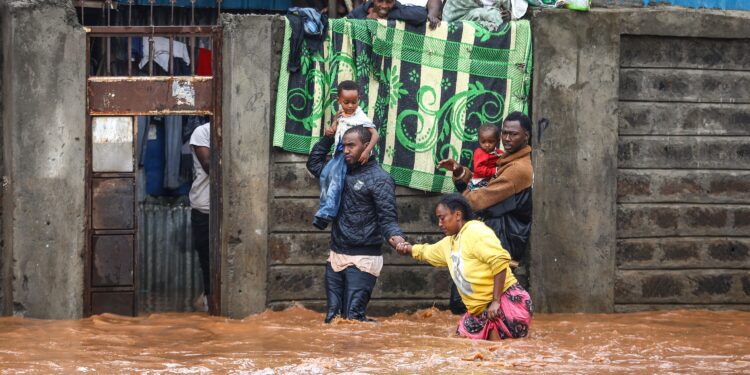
{"points": [[485, 157]]}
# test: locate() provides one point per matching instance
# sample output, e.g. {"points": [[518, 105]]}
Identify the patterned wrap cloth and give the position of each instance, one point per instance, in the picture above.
{"points": [[427, 91], [516, 311]]}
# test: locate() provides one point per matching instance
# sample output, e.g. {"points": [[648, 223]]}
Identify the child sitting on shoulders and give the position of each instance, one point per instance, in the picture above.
{"points": [[332, 177], [485, 156]]}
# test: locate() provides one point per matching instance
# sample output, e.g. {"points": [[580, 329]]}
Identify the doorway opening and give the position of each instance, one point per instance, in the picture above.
{"points": [[148, 89]]}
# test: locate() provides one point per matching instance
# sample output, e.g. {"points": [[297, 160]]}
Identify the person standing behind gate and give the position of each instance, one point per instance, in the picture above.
{"points": [[200, 202], [366, 215]]}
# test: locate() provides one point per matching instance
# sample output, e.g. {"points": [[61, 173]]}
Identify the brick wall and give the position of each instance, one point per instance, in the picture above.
{"points": [[683, 184]]}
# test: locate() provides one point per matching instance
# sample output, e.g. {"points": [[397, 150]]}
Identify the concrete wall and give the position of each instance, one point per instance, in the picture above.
{"points": [[4, 263], [641, 180], [246, 152], [43, 153]]}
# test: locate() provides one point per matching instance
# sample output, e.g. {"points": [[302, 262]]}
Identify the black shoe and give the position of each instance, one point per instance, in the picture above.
{"points": [[320, 223]]}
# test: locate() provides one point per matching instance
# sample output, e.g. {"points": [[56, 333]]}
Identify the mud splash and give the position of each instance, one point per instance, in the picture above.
{"points": [[296, 341]]}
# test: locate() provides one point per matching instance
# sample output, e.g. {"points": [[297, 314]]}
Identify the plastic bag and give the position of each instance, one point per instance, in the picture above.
{"points": [[579, 5]]}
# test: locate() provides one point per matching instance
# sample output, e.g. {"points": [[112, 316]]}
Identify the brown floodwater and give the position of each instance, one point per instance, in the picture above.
{"points": [[296, 341]]}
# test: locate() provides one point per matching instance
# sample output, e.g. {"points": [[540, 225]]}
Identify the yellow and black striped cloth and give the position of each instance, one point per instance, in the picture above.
{"points": [[427, 91]]}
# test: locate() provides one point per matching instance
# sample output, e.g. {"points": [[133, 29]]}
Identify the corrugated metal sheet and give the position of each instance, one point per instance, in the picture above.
{"points": [[168, 269]]}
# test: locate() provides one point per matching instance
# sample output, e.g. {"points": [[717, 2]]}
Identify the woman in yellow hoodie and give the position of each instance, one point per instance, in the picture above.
{"points": [[498, 307]]}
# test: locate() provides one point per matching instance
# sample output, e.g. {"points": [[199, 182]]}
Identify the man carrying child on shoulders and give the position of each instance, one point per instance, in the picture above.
{"points": [[365, 216]]}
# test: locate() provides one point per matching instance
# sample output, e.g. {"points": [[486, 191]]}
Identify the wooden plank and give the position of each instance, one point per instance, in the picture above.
{"points": [[307, 282], [294, 180], [683, 287], [150, 95], [665, 220], [682, 253], [678, 52], [684, 152], [415, 214], [637, 118], [683, 186], [669, 85], [313, 248]]}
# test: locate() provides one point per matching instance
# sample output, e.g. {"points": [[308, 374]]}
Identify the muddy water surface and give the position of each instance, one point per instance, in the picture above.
{"points": [[296, 341]]}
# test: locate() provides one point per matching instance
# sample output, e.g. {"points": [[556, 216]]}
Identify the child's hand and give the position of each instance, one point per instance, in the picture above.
{"points": [[329, 131], [364, 158]]}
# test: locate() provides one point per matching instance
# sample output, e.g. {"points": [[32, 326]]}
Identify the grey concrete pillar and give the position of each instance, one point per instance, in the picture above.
{"points": [[246, 133], [576, 58], [44, 106]]}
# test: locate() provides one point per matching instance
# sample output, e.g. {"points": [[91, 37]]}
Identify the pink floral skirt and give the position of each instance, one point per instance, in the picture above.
{"points": [[514, 321]]}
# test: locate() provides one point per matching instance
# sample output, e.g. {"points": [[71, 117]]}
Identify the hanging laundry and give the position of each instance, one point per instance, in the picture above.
{"points": [[309, 26], [172, 151], [161, 52], [204, 62]]}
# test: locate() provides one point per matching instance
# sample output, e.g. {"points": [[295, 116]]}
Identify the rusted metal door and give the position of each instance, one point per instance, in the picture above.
{"points": [[113, 101]]}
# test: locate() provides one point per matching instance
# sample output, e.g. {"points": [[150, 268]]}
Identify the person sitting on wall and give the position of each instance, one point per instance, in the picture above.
{"points": [[498, 307], [393, 10], [366, 215], [490, 13]]}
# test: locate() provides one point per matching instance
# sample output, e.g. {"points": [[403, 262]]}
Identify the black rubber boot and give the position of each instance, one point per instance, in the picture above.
{"points": [[359, 286], [334, 283]]}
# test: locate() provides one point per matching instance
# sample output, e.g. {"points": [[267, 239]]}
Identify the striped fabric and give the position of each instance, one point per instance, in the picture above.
{"points": [[427, 91]]}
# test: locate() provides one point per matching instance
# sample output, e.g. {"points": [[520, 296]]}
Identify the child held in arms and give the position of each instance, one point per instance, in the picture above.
{"points": [[485, 156], [332, 177]]}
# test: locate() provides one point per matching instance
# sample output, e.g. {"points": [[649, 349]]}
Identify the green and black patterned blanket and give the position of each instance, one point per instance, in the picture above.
{"points": [[427, 91]]}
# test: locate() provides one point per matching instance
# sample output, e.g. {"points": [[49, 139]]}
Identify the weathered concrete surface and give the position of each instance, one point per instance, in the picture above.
{"points": [[680, 52], [575, 164], [683, 186], [247, 87], [675, 286], [652, 118], [581, 73], [43, 133], [4, 263], [683, 157], [683, 253]]}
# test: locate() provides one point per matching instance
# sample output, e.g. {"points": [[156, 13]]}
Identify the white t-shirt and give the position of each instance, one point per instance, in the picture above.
{"points": [[345, 123], [200, 197]]}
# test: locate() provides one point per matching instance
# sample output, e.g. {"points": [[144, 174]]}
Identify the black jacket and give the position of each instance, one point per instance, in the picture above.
{"points": [[510, 219], [413, 15], [367, 213]]}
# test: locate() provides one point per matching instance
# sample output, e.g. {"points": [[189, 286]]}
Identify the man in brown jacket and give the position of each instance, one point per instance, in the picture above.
{"points": [[505, 203]]}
